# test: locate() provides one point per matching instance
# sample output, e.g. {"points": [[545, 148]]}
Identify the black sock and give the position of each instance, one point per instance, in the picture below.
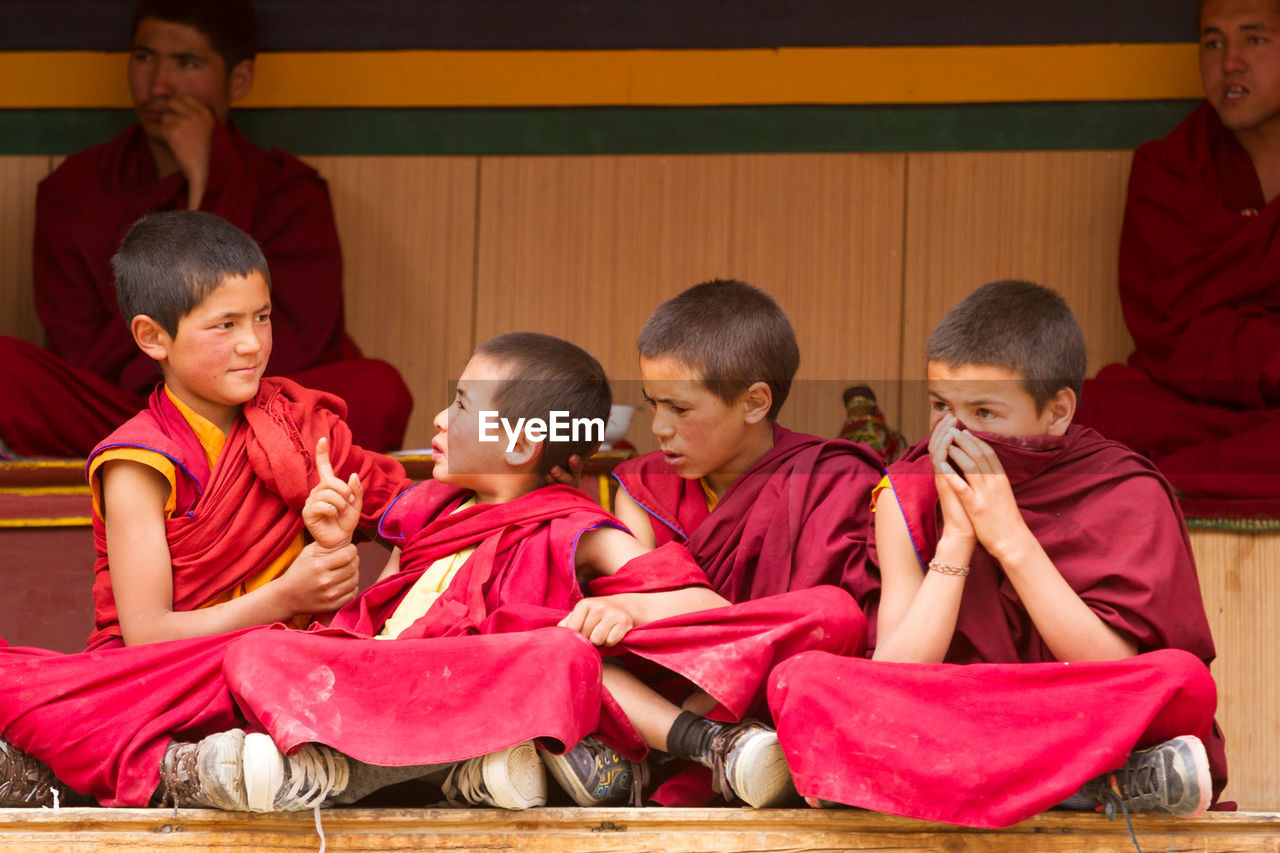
{"points": [[690, 737]]}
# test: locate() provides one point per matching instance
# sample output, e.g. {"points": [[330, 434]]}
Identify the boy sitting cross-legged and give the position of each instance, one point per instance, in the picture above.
{"points": [[1040, 615], [489, 564], [198, 522], [763, 509]]}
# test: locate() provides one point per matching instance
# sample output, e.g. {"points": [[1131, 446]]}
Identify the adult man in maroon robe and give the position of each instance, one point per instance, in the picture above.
{"points": [[1200, 275], [190, 60]]}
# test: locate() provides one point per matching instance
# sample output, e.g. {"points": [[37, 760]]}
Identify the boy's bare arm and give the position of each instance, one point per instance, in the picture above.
{"points": [[605, 620], [635, 518], [918, 609], [1070, 628], [134, 495]]}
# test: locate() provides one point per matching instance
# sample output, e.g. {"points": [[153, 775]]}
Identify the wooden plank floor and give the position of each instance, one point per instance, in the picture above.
{"points": [[609, 830]]}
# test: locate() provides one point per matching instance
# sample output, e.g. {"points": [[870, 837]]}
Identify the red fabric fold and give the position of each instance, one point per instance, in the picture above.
{"points": [[798, 518]]}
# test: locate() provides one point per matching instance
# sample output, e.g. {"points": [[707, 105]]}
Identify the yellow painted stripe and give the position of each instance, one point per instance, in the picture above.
{"points": [[867, 75], [36, 491], [26, 523]]}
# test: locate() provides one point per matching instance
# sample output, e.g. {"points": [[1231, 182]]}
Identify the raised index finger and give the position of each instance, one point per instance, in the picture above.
{"points": [[323, 467]]}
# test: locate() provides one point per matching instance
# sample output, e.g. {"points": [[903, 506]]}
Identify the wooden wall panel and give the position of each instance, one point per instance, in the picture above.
{"points": [[18, 179], [407, 226], [1242, 596], [586, 247], [1051, 217]]}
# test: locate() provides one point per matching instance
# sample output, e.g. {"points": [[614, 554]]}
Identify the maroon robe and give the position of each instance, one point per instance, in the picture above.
{"points": [[232, 522], [999, 731], [84, 209], [1200, 287], [797, 518]]}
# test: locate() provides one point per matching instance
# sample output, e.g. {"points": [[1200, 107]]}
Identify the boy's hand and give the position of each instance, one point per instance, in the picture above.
{"points": [[558, 476], [955, 521], [600, 620], [333, 508], [985, 492], [320, 580]]}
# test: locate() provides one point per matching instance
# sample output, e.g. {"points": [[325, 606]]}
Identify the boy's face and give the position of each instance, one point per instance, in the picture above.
{"points": [[170, 60], [699, 434], [221, 349], [987, 398], [460, 458]]}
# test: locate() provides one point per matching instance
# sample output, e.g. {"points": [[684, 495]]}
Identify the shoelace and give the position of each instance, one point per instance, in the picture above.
{"points": [[721, 742], [1112, 798], [464, 785], [313, 774], [639, 781]]}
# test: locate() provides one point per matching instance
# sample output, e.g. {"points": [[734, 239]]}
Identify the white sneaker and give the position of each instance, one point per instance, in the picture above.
{"points": [[749, 759], [275, 782], [511, 779]]}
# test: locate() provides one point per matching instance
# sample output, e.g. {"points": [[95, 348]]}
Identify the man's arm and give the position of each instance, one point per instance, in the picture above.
{"points": [[635, 518], [1070, 628]]}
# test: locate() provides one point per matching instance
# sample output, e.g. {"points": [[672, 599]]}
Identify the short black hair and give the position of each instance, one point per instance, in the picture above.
{"points": [[168, 263], [231, 26], [1019, 326], [550, 375], [732, 333]]}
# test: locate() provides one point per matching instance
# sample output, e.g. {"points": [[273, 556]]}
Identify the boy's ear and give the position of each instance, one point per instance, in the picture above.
{"points": [[757, 400], [1060, 410], [524, 452], [240, 80], [150, 337]]}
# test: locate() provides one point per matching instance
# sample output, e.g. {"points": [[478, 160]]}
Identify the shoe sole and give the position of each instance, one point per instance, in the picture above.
{"points": [[562, 772], [263, 772], [515, 778], [760, 774], [221, 769], [1192, 751]]}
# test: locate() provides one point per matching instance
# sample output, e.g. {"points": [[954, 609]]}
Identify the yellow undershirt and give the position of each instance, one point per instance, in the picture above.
{"points": [[212, 441], [709, 494], [875, 492], [426, 589]]}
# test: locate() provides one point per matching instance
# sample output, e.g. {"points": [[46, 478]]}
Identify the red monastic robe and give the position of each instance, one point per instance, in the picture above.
{"points": [[1000, 731], [234, 521], [521, 578], [798, 518], [1200, 287], [83, 211]]}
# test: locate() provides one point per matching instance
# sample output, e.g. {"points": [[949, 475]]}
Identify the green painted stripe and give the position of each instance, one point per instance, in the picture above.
{"points": [[979, 127]]}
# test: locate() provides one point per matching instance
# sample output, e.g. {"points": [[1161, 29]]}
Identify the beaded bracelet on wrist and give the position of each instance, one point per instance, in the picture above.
{"points": [[944, 569]]}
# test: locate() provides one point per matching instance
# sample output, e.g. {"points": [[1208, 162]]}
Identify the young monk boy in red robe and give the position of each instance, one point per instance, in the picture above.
{"points": [[190, 60], [1200, 396], [199, 501], [763, 509], [1040, 615]]}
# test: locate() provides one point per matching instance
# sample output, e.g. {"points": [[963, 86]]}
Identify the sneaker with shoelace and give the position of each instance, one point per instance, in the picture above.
{"points": [[511, 779], [24, 781], [1171, 777], [592, 773], [275, 782], [746, 759], [208, 774]]}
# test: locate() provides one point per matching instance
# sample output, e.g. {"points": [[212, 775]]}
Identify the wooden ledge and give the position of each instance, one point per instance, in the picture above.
{"points": [[610, 830]]}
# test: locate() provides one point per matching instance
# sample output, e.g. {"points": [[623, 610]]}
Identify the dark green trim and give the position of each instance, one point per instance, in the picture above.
{"points": [[975, 127]]}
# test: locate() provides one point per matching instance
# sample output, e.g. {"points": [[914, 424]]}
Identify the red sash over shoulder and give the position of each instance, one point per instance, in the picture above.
{"points": [[1200, 267], [798, 518], [233, 521], [1109, 523]]}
